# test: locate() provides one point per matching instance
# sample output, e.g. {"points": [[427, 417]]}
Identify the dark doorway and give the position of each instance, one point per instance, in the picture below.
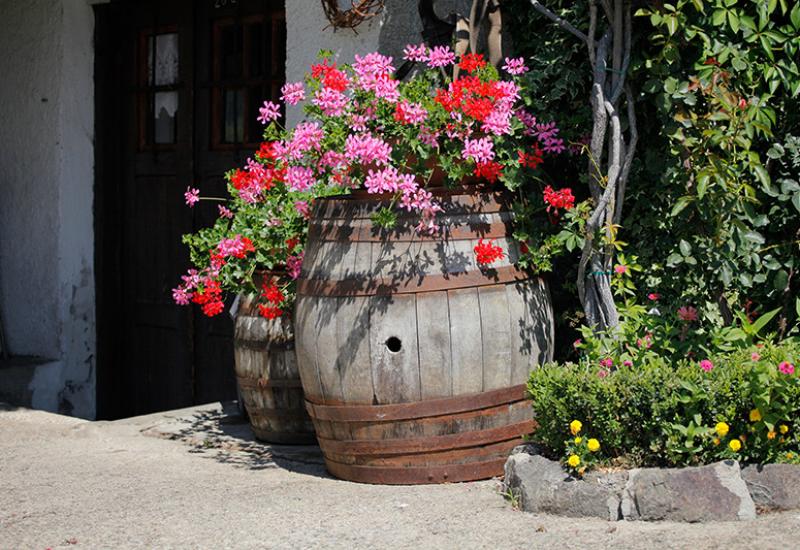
{"points": [[178, 85]]}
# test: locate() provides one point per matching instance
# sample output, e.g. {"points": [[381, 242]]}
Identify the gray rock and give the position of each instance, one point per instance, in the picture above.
{"points": [[543, 486], [715, 492], [774, 486]]}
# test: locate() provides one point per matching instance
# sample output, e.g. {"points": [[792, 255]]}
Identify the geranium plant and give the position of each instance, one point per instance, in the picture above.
{"points": [[366, 130]]}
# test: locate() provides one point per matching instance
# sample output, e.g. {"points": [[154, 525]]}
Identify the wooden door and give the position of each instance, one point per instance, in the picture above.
{"points": [[178, 88]]}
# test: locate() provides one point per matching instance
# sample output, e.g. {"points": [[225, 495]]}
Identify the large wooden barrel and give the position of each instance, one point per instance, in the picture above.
{"points": [[413, 359], [269, 383]]}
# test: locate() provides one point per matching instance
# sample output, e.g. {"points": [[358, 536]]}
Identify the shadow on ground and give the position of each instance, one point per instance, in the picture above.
{"points": [[221, 433]]}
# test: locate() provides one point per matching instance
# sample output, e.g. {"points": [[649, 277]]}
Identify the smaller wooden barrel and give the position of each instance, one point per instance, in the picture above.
{"points": [[266, 371]]}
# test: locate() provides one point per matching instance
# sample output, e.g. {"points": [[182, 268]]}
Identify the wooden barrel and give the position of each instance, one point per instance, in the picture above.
{"points": [[413, 359], [266, 371]]}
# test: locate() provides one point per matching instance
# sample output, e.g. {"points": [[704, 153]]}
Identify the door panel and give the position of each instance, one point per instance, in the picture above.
{"points": [[183, 82]]}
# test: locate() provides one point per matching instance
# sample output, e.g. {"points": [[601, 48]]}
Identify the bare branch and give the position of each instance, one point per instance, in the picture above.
{"points": [[629, 153], [564, 24]]}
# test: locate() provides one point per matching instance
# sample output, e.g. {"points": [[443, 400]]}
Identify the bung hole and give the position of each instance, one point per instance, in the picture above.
{"points": [[394, 344]]}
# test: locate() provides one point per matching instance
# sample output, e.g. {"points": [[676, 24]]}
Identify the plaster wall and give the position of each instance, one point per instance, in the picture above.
{"points": [[308, 32], [46, 211]]}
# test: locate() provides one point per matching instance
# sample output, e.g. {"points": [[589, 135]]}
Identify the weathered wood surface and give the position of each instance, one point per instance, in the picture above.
{"points": [[392, 318], [268, 378]]}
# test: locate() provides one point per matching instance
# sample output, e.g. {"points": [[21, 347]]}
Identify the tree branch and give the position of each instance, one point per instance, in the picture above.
{"points": [[563, 23]]}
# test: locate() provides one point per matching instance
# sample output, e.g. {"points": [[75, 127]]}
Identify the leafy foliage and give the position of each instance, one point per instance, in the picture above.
{"points": [[665, 414]]}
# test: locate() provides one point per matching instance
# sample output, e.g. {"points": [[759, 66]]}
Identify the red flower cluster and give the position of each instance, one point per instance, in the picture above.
{"points": [[532, 159], [558, 199], [291, 243], [490, 170], [472, 62], [471, 96], [487, 253], [275, 297], [331, 77], [210, 298], [266, 152]]}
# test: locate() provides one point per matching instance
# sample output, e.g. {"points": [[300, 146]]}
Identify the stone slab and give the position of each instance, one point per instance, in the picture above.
{"points": [[774, 486]]}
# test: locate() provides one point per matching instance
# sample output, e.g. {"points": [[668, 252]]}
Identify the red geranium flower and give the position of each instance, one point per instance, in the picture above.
{"points": [[471, 62], [487, 253], [489, 170], [558, 199], [269, 312]]}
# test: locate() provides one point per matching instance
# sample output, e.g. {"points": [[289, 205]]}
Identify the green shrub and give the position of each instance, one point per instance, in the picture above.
{"points": [[672, 414]]}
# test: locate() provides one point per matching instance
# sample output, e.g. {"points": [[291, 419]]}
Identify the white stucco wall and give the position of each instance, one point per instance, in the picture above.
{"points": [[397, 25], [46, 195]]}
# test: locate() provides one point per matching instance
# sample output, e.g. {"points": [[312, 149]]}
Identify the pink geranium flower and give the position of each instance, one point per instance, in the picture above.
{"points": [[225, 212], [654, 296], [515, 66], [607, 362], [269, 112], [706, 365], [479, 150], [620, 269], [786, 367], [293, 93], [192, 196], [687, 314], [441, 56], [755, 356], [417, 53]]}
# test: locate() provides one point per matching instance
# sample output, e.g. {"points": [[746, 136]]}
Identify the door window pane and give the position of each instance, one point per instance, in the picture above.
{"points": [[162, 63], [233, 116], [165, 110]]}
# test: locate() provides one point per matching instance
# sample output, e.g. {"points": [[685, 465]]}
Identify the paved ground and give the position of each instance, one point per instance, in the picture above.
{"points": [[194, 479]]}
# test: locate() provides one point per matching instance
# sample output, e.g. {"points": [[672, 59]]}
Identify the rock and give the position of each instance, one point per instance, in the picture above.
{"points": [[543, 486], [715, 492], [774, 486]]}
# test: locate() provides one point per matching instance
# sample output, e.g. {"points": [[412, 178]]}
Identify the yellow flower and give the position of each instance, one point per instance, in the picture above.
{"points": [[574, 460], [722, 429], [717, 441], [755, 415], [789, 455], [578, 440], [575, 427], [771, 434], [783, 428], [735, 445], [593, 445]]}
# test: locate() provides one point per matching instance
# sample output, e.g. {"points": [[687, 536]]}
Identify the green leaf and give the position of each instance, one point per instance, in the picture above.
{"points": [[794, 16], [672, 24], [754, 237], [680, 204], [762, 321], [733, 21], [781, 280], [796, 201], [797, 307], [718, 17], [674, 259], [685, 247]]}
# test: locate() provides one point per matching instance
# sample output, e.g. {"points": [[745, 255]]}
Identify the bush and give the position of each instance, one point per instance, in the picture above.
{"points": [[675, 414]]}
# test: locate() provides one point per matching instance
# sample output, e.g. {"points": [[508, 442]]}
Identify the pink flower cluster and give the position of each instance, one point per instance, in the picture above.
{"points": [[374, 74], [410, 113], [366, 149], [515, 66], [192, 196], [269, 112], [441, 56], [294, 265], [331, 102], [479, 150], [417, 53], [293, 93], [786, 368], [299, 178]]}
